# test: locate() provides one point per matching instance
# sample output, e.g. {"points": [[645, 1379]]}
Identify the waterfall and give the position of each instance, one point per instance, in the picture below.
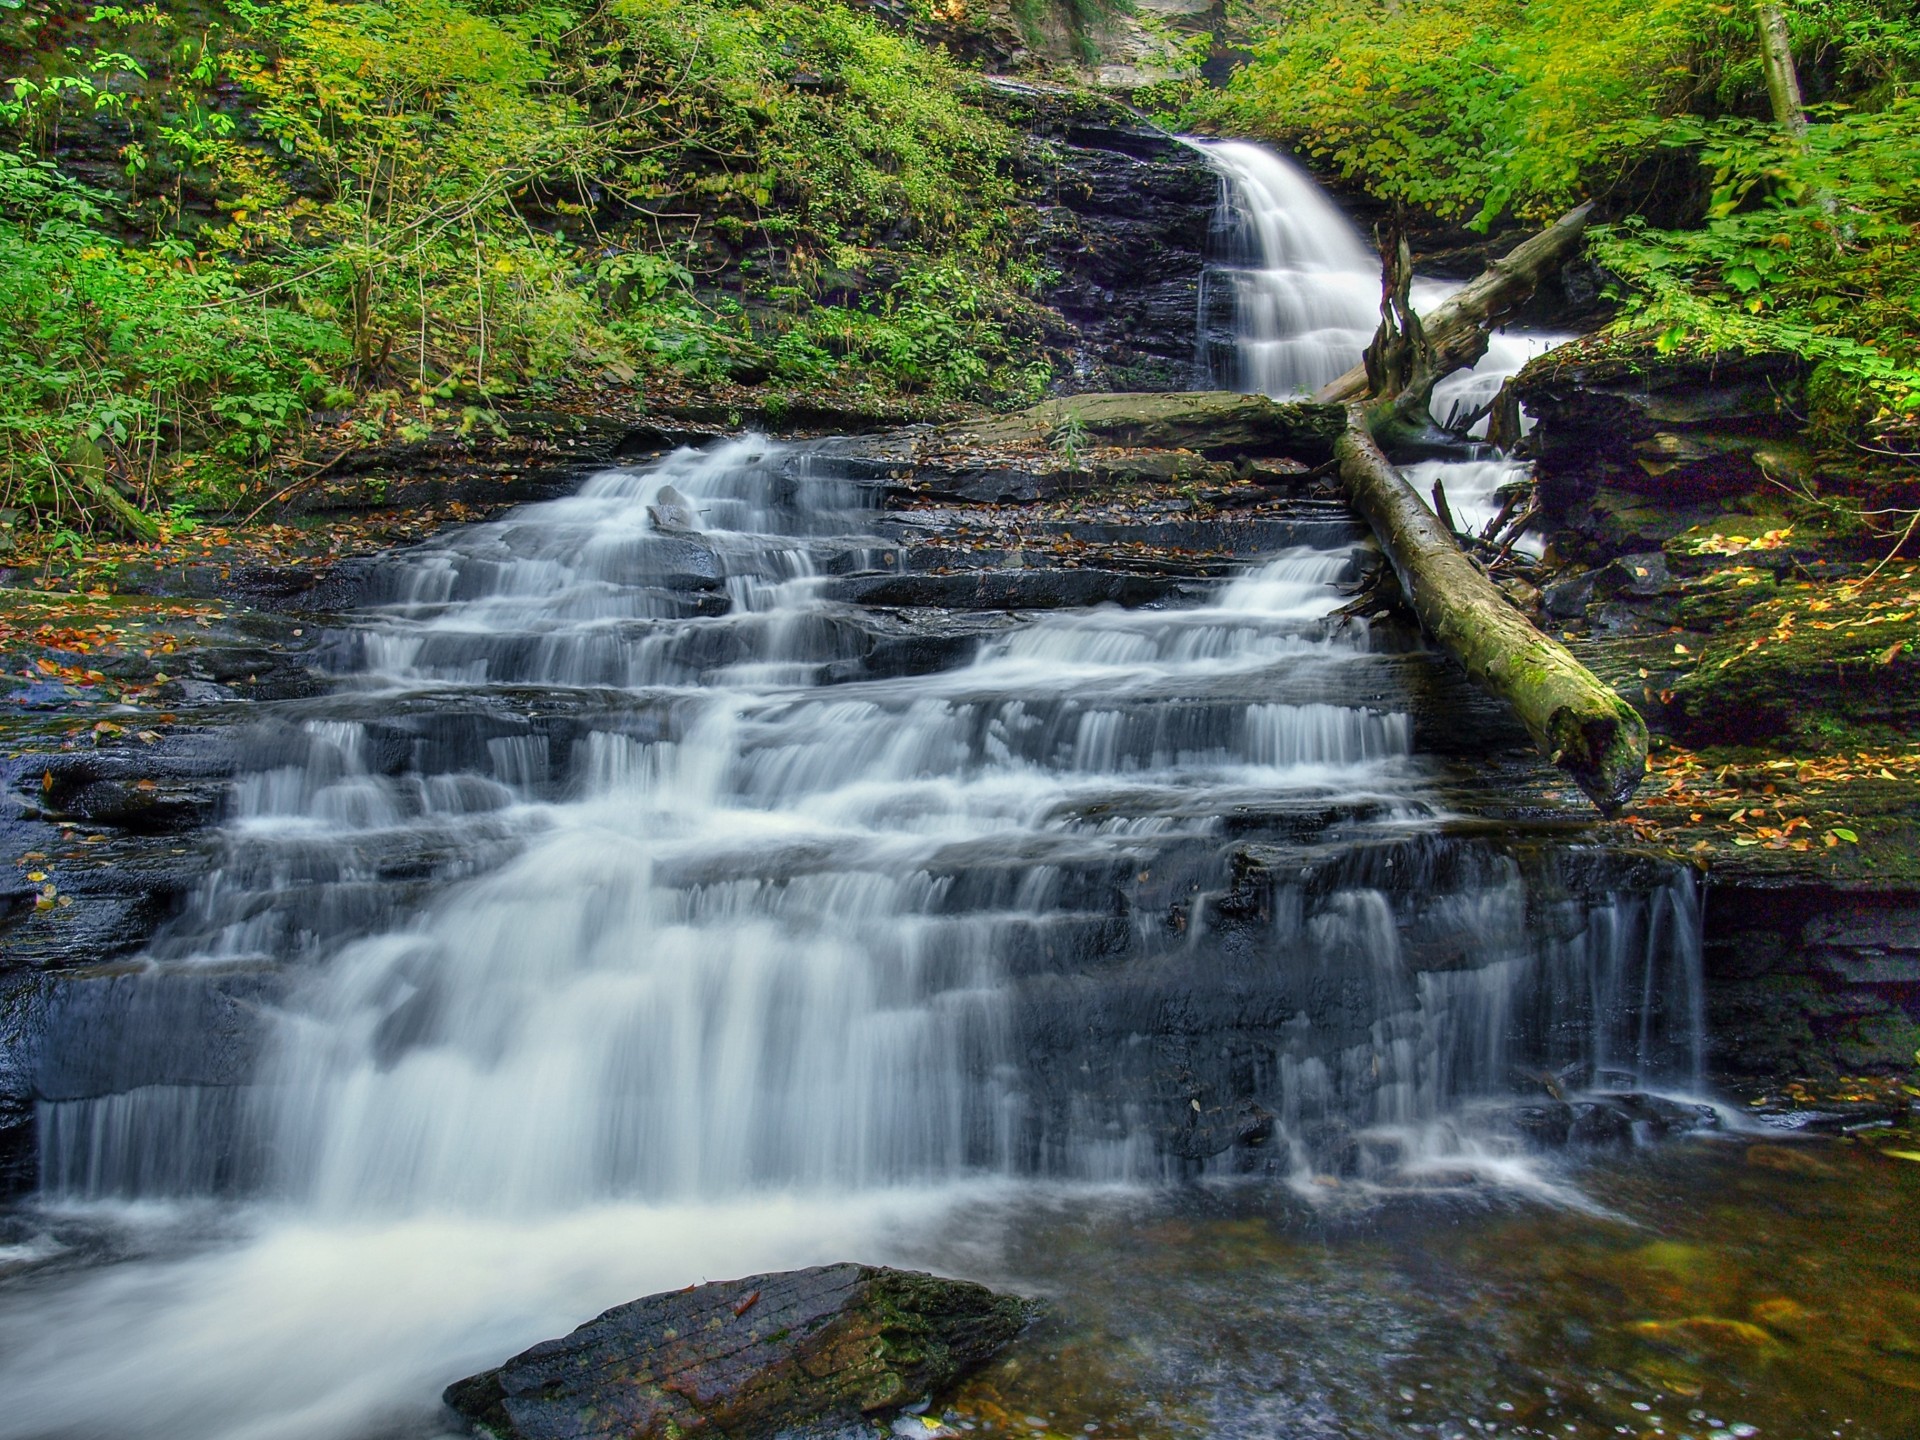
{"points": [[635, 908], [1305, 301], [731, 926], [1304, 285]]}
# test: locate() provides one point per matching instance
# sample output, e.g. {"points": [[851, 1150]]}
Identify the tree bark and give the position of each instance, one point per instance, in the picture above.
{"points": [[1783, 81], [1579, 723], [1455, 334]]}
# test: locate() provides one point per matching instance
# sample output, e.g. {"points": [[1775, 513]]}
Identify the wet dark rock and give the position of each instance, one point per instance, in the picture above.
{"points": [[1205, 1132], [109, 1034], [1217, 424], [1568, 598], [22, 1007], [1618, 432], [1662, 1116], [1610, 1119], [516, 457], [157, 789], [1123, 208], [800, 1353], [1034, 589], [680, 562], [1811, 979], [1546, 1126], [671, 513], [142, 805], [1599, 1124]]}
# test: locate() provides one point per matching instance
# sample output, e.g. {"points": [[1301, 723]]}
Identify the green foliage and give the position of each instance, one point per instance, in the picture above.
{"points": [[427, 203], [113, 352], [1805, 248], [805, 119], [1477, 107], [1480, 109]]}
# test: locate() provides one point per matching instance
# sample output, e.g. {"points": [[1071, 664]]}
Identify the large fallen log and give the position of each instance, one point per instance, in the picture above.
{"points": [[1455, 335], [1578, 722]]}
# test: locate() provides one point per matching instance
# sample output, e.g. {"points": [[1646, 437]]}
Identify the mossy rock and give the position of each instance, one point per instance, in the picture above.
{"points": [[1832, 666], [802, 1352]]}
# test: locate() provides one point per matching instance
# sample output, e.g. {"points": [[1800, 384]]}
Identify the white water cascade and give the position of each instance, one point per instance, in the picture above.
{"points": [[1306, 288], [637, 908], [1305, 285]]}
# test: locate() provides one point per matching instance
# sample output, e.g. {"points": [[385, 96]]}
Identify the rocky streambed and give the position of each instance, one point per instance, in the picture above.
{"points": [[131, 716], [220, 799]]}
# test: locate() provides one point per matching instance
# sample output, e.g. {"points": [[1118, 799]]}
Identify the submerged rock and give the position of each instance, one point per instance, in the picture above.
{"points": [[804, 1352]]}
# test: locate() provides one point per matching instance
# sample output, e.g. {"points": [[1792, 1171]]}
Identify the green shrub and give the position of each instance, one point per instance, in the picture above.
{"points": [[419, 199]]}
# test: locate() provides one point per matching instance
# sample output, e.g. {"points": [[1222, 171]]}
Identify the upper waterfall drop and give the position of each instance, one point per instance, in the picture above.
{"points": [[1305, 284]]}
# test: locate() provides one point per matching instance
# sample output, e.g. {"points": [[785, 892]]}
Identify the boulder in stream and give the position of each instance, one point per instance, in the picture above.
{"points": [[799, 1353]]}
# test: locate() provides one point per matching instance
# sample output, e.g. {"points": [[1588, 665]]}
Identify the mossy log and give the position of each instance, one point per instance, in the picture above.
{"points": [[1578, 722], [1211, 422], [1455, 335], [86, 467]]}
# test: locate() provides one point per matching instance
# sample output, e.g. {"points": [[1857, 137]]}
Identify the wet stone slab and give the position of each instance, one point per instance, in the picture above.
{"points": [[804, 1353]]}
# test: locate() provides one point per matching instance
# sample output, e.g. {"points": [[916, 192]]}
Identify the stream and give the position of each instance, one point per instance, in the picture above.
{"points": [[635, 908]]}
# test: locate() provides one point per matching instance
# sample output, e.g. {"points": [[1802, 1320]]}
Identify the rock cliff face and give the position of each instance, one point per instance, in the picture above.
{"points": [[1812, 979], [1716, 570], [1125, 209], [1633, 448]]}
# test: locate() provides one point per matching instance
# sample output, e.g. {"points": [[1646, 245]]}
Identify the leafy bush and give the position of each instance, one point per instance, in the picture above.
{"points": [[1808, 248], [440, 197], [116, 356]]}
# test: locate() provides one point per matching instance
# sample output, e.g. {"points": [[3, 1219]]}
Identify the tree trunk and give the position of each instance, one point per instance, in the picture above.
{"points": [[1783, 81], [1579, 723], [1456, 333], [1400, 361]]}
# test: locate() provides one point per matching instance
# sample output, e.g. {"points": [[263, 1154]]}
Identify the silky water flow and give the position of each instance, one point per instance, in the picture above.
{"points": [[635, 910], [1292, 297]]}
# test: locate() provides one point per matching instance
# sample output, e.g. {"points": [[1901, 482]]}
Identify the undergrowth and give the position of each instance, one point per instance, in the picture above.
{"points": [[218, 215]]}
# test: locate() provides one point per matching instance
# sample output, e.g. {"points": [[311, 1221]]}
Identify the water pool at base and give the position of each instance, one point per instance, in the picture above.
{"points": [[1735, 1287], [1738, 1286]]}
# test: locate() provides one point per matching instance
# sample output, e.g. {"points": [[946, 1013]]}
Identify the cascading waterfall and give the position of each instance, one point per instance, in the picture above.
{"points": [[619, 906], [1305, 290], [1305, 287], [733, 927]]}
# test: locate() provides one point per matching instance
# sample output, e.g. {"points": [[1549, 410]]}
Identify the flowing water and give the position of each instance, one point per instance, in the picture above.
{"points": [[1303, 288], [635, 909]]}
